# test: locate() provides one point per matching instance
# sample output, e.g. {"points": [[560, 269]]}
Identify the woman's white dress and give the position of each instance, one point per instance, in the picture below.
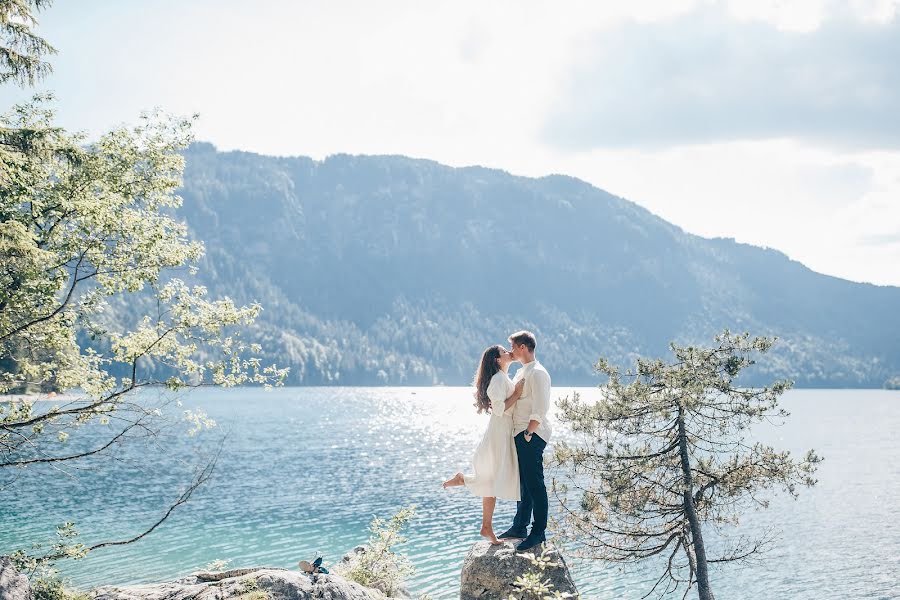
{"points": [[495, 463]]}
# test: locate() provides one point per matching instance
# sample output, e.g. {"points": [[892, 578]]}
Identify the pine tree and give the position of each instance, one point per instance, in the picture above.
{"points": [[22, 51], [666, 461]]}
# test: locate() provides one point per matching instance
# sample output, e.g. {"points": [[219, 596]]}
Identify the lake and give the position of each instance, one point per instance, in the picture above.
{"points": [[303, 471]]}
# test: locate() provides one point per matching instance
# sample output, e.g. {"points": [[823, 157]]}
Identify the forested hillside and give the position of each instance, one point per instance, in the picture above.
{"points": [[391, 270]]}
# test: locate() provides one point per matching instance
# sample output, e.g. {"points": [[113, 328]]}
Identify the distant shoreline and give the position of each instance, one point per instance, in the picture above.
{"points": [[75, 396], [47, 397]]}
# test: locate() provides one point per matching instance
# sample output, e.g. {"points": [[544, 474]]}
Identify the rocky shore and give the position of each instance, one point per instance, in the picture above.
{"points": [[252, 583], [488, 573], [244, 584]]}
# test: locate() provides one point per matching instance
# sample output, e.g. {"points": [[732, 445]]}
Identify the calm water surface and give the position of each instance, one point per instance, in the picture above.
{"points": [[304, 470]]}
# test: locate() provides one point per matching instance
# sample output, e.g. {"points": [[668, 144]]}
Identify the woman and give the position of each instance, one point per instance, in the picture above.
{"points": [[496, 465]]}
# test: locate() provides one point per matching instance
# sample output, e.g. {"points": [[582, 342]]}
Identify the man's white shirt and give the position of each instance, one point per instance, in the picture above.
{"points": [[534, 403]]}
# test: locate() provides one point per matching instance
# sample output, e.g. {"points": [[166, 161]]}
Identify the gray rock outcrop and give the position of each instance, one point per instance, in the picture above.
{"points": [[13, 585], [489, 571], [246, 584]]}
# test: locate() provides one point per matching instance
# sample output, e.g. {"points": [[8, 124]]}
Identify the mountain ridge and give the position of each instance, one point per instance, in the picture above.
{"points": [[378, 269]]}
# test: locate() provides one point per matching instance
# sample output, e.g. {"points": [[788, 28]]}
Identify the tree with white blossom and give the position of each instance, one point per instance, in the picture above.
{"points": [[84, 226]]}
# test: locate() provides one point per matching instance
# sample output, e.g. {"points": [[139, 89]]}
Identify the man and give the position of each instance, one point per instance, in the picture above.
{"points": [[532, 432]]}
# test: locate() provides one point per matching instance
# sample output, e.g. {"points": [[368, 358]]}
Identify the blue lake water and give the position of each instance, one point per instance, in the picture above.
{"points": [[304, 470]]}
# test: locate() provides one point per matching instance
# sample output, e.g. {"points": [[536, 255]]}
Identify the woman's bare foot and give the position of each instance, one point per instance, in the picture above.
{"points": [[489, 534], [457, 480]]}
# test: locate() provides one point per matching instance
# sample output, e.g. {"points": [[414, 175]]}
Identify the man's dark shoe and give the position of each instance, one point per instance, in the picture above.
{"points": [[531, 541], [512, 532]]}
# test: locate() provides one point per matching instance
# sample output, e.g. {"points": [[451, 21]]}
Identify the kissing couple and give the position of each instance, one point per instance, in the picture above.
{"points": [[508, 462]]}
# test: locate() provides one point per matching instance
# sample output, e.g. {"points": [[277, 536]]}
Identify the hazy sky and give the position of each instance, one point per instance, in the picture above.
{"points": [[773, 122]]}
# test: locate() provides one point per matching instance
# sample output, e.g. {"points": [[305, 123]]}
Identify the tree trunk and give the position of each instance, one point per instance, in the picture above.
{"points": [[696, 535]]}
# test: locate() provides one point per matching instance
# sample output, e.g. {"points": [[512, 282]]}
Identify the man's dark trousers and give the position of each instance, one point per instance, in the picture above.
{"points": [[531, 482]]}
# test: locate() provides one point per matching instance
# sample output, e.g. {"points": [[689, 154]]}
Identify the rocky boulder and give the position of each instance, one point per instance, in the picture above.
{"points": [[13, 585], [489, 571], [243, 584]]}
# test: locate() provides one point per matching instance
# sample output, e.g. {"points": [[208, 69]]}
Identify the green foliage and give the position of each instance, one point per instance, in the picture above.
{"points": [[250, 590], [63, 546], [378, 566], [217, 565], [534, 585], [86, 223], [48, 585], [665, 457], [250, 585], [48, 588], [21, 50], [84, 226]]}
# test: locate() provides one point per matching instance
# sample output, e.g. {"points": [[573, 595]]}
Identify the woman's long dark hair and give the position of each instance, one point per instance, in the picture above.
{"points": [[486, 369]]}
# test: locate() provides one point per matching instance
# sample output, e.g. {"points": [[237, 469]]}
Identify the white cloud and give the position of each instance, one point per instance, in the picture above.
{"points": [[808, 15], [705, 77], [472, 83]]}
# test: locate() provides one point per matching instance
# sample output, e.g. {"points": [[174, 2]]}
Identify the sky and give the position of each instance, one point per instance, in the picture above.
{"points": [[776, 123]]}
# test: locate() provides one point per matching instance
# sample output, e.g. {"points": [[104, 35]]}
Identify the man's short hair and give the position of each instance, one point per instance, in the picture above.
{"points": [[524, 337]]}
